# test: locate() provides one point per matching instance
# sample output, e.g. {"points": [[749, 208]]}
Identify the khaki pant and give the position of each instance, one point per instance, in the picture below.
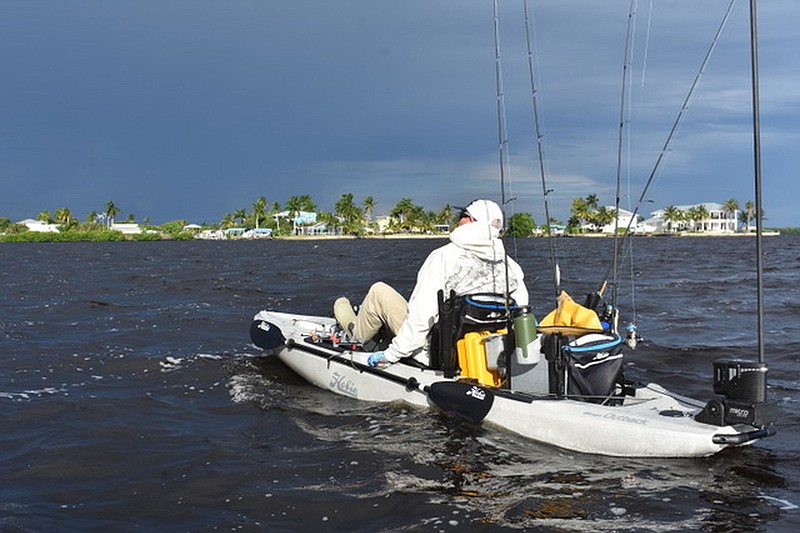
{"points": [[382, 305]]}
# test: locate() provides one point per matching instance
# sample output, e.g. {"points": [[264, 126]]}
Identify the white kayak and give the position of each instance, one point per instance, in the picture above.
{"points": [[645, 421]]}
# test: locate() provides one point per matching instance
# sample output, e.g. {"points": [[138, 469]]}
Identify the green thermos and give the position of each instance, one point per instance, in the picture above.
{"points": [[526, 341]]}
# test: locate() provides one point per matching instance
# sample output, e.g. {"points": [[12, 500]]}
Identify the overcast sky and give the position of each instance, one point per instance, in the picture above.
{"points": [[190, 109]]}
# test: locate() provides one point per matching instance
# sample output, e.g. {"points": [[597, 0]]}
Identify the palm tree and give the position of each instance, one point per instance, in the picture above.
{"points": [[408, 215], [293, 206], [369, 205], [750, 211], [402, 209], [64, 217], [604, 216], [45, 216], [350, 213], [259, 209], [446, 215], [240, 215], [584, 210], [672, 214], [697, 214], [111, 212], [730, 207], [228, 221], [306, 204]]}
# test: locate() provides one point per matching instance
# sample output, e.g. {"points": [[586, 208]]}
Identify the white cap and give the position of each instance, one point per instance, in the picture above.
{"points": [[486, 211]]}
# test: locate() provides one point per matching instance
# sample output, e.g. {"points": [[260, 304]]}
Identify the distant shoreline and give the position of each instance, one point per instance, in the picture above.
{"points": [[42, 237]]}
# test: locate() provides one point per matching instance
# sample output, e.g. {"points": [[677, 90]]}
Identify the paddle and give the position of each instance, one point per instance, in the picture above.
{"points": [[265, 335], [469, 401]]}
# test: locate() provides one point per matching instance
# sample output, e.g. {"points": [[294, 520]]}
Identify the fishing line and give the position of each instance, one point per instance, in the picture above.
{"points": [[540, 152], [502, 134], [623, 107], [671, 135]]}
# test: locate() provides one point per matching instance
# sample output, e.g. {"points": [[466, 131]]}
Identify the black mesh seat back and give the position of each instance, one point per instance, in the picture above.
{"points": [[459, 315]]}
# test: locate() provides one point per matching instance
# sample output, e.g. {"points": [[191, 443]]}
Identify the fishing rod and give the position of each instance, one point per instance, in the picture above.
{"points": [[626, 67], [502, 133], [502, 140], [540, 151], [667, 143]]}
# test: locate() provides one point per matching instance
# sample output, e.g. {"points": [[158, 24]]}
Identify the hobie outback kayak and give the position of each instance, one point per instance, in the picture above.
{"points": [[567, 390]]}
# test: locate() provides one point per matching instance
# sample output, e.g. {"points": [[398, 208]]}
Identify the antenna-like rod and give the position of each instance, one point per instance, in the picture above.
{"points": [[502, 141], [757, 174], [623, 106], [540, 153], [502, 136]]}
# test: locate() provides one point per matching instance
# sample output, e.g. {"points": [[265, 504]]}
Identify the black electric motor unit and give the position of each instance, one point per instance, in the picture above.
{"points": [[742, 385]]}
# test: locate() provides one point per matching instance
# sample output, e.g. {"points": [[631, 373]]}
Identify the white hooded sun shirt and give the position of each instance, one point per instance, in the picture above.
{"points": [[472, 262]]}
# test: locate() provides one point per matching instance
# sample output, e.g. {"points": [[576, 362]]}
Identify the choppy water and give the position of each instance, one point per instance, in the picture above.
{"points": [[132, 400]]}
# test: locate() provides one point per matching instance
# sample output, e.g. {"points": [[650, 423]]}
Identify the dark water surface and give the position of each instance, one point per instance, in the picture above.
{"points": [[132, 400]]}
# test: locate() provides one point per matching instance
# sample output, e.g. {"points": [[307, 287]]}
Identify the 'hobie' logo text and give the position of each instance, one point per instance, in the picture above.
{"points": [[477, 393], [345, 386]]}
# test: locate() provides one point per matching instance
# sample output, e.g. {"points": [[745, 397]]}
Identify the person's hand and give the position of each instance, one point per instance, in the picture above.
{"points": [[377, 359]]}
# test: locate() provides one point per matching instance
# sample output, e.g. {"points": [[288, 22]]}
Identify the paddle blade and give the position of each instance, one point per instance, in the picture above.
{"points": [[469, 401], [265, 335]]}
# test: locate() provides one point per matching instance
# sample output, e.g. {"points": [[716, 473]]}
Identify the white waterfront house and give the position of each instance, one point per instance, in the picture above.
{"points": [[301, 218], [624, 220], [39, 226], [717, 220], [126, 228]]}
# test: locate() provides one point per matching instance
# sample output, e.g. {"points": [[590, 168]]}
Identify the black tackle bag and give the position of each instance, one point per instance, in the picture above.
{"points": [[594, 366]]}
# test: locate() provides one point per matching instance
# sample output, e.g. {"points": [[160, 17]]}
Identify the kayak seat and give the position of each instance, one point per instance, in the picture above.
{"points": [[483, 313]]}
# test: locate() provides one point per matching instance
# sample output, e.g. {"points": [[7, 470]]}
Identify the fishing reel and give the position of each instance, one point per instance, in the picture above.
{"points": [[632, 336]]}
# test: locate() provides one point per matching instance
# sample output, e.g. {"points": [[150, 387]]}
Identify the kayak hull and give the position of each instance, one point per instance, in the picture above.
{"points": [[650, 422]]}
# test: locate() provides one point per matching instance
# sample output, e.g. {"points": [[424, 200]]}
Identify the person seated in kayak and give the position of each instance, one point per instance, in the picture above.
{"points": [[472, 262]]}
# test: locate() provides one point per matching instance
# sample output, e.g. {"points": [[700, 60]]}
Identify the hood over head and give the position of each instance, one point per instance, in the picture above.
{"points": [[481, 235], [485, 211]]}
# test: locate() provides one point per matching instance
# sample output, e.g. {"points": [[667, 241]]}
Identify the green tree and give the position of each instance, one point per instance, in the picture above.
{"points": [[239, 215], [730, 207], [749, 211], [604, 216], [64, 217], [259, 210], [175, 230], [407, 216], [584, 211], [697, 214], [228, 221], [672, 215], [351, 215], [307, 204], [111, 212], [521, 225], [369, 206], [294, 206], [45, 216], [447, 216]]}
